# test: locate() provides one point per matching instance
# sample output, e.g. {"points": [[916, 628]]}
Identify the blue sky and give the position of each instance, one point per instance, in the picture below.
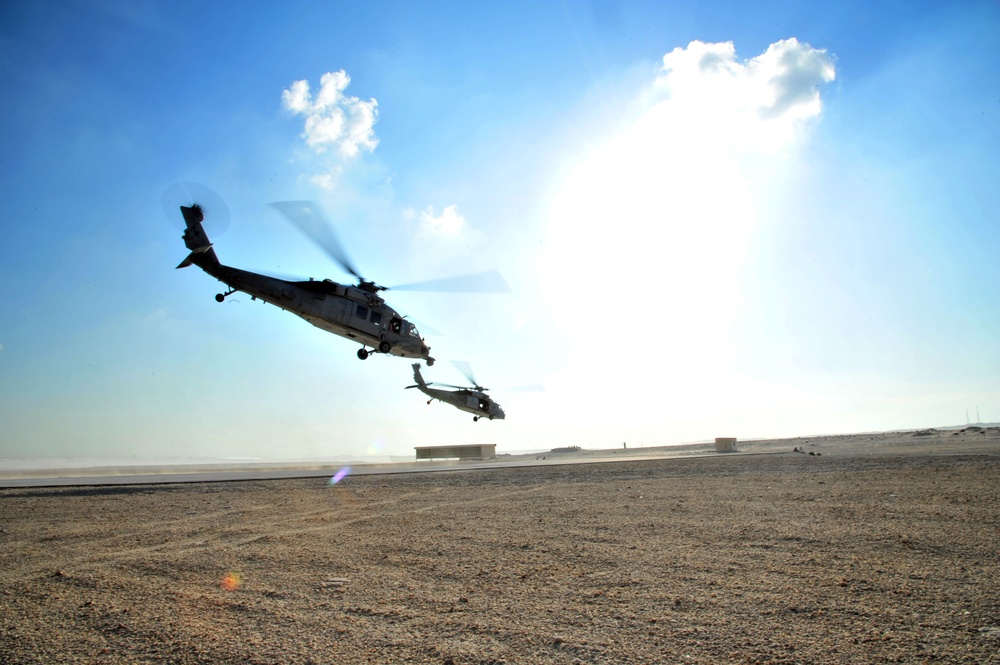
{"points": [[725, 220]]}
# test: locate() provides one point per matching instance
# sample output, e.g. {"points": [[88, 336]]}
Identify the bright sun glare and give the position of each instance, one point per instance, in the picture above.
{"points": [[648, 229]]}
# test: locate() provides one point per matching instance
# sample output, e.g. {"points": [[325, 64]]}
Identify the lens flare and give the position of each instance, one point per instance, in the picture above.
{"points": [[377, 446], [232, 581], [337, 477]]}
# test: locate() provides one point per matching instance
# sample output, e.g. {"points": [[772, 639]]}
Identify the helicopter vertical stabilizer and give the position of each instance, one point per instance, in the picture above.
{"points": [[196, 239]]}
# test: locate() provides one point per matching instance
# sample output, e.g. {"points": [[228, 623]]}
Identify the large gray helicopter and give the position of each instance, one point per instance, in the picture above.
{"points": [[472, 399], [356, 312]]}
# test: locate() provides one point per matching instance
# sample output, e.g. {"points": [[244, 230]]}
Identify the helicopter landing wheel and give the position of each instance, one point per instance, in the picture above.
{"points": [[475, 419], [384, 347], [219, 297], [363, 353], [491, 417], [430, 362]]}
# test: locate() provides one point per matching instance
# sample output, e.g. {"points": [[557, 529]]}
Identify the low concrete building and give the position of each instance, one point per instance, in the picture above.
{"points": [[479, 451], [725, 444]]}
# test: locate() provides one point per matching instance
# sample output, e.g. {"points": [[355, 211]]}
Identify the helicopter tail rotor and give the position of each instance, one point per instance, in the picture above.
{"points": [[198, 206], [196, 239], [214, 210]]}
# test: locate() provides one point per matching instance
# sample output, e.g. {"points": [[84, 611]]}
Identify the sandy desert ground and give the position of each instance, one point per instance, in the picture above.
{"points": [[875, 548]]}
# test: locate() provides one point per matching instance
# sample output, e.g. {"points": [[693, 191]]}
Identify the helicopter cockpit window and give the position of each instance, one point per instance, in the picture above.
{"points": [[412, 330], [361, 312], [376, 318]]}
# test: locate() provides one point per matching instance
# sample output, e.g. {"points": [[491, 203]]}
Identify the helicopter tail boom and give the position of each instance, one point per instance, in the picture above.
{"points": [[417, 377]]}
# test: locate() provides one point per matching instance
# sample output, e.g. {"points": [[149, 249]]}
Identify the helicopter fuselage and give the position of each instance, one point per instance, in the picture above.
{"points": [[473, 401], [348, 311]]}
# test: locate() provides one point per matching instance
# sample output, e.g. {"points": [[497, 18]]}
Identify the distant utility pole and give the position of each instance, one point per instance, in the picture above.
{"points": [[978, 419], [967, 417]]}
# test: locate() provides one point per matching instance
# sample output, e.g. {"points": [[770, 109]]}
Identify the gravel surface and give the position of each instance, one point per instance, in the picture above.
{"points": [[842, 557]]}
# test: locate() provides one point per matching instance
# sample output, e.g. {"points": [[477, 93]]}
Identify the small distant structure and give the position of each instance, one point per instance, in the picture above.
{"points": [[481, 451], [725, 444]]}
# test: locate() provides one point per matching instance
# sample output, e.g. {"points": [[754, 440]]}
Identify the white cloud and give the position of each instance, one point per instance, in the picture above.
{"points": [[756, 104], [325, 181], [793, 73], [158, 314], [333, 120], [449, 224], [296, 98], [442, 239]]}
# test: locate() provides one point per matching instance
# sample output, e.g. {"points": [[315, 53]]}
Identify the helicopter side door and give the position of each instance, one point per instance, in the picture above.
{"points": [[338, 310], [366, 319], [477, 403]]}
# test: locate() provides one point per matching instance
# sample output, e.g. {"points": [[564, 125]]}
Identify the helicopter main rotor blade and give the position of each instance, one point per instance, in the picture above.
{"points": [[466, 369], [452, 385], [307, 218], [481, 282], [423, 327]]}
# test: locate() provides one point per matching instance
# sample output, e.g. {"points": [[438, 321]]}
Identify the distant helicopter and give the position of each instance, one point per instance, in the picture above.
{"points": [[472, 399], [355, 312]]}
